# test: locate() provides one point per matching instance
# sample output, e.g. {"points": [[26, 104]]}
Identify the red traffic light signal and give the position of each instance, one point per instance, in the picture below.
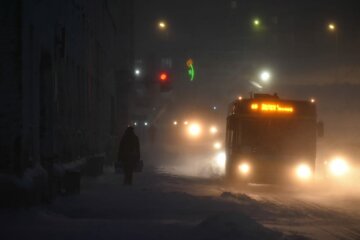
{"points": [[164, 81], [163, 76]]}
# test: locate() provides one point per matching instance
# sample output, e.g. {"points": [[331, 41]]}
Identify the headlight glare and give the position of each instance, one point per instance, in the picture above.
{"points": [[338, 166], [304, 172], [244, 168], [194, 130]]}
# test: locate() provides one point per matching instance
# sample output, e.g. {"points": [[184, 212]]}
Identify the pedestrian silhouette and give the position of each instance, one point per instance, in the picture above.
{"points": [[129, 154]]}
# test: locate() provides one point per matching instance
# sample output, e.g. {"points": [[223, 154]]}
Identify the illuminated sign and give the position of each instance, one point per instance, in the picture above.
{"points": [[191, 69], [271, 107]]}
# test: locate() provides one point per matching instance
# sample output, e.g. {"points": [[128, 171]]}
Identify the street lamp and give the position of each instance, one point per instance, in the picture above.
{"points": [[256, 22], [332, 27], [265, 76], [162, 25], [137, 72]]}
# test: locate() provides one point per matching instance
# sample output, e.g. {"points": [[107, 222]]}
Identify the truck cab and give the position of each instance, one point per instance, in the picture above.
{"points": [[270, 140]]}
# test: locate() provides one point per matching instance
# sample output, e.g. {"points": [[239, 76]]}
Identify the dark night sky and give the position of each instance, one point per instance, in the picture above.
{"points": [[196, 22], [294, 41]]}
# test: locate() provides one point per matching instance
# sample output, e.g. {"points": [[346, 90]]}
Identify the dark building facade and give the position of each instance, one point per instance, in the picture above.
{"points": [[65, 76]]}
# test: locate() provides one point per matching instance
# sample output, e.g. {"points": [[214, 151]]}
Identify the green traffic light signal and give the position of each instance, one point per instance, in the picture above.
{"points": [[191, 69]]}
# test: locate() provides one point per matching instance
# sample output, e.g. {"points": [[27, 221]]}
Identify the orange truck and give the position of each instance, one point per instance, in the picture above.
{"points": [[271, 140]]}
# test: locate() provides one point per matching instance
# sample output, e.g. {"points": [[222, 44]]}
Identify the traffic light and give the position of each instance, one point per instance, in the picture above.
{"points": [[163, 77], [191, 69], [165, 82]]}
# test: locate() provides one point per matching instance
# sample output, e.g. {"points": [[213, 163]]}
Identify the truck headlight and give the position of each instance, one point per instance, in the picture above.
{"points": [[194, 130], [303, 171], [217, 145], [213, 130], [220, 160], [338, 166], [244, 168]]}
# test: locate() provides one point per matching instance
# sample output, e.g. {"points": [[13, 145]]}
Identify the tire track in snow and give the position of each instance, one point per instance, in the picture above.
{"points": [[291, 213]]}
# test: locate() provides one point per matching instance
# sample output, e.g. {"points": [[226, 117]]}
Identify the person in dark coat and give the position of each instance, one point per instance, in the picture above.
{"points": [[129, 153]]}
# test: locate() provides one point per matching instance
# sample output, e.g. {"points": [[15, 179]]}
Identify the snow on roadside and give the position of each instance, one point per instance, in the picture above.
{"points": [[236, 225], [293, 214], [108, 210]]}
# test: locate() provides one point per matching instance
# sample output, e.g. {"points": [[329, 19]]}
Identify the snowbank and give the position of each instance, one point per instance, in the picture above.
{"points": [[236, 225]]}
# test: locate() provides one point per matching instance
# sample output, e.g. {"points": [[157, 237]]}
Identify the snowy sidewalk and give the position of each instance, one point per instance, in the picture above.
{"points": [[151, 209]]}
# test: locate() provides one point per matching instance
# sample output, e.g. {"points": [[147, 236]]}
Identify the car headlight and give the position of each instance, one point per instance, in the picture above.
{"points": [[217, 145], [304, 172], [338, 166], [194, 130], [244, 168], [213, 130], [220, 159]]}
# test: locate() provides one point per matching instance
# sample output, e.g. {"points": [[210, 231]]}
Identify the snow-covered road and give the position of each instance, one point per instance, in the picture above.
{"points": [[163, 206], [152, 209], [315, 213]]}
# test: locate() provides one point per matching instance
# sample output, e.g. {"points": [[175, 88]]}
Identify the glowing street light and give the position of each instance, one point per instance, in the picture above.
{"points": [[137, 72], [332, 27], [333, 30], [256, 22], [162, 25], [265, 76]]}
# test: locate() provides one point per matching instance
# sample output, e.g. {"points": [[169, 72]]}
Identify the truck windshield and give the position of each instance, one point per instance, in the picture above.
{"points": [[279, 136]]}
